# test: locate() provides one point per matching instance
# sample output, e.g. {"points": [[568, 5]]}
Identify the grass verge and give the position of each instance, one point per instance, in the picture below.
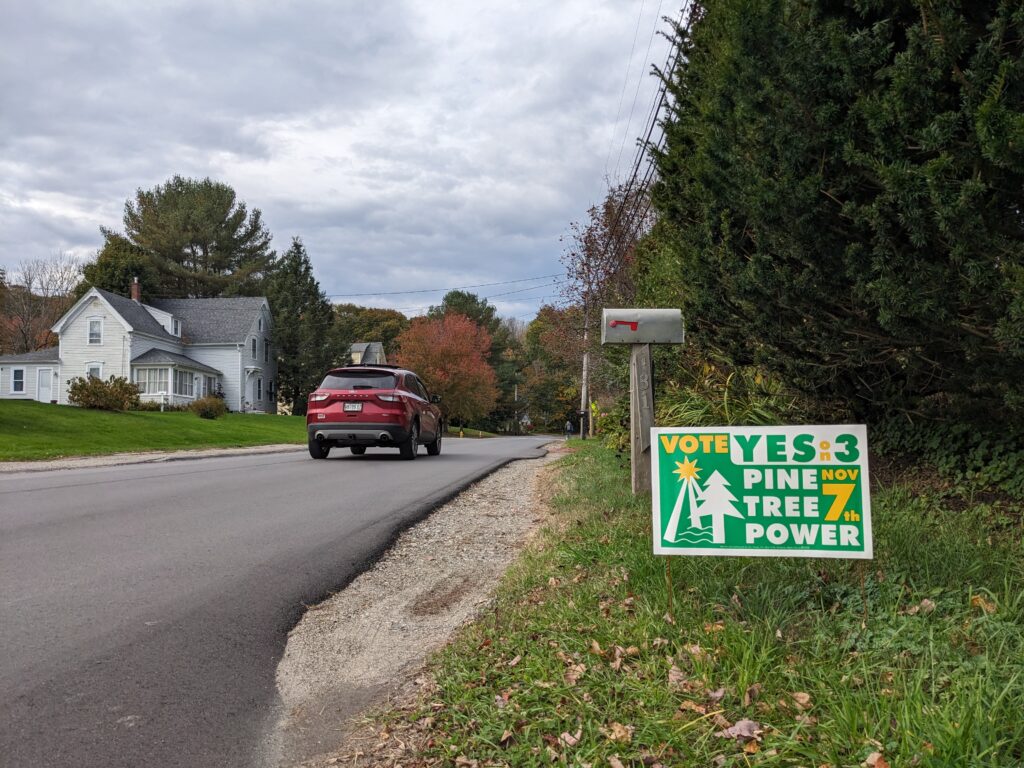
{"points": [[31, 431], [914, 659]]}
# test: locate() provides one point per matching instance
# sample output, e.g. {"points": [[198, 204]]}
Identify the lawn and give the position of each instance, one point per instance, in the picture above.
{"points": [[31, 431], [913, 659]]}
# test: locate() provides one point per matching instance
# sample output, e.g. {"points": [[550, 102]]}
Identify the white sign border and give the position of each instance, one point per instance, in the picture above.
{"points": [[860, 430]]}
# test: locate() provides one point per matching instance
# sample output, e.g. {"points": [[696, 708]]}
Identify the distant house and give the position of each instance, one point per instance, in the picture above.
{"points": [[367, 353], [176, 350]]}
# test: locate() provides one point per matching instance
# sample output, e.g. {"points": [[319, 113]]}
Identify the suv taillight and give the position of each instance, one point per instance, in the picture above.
{"points": [[390, 398], [317, 398]]}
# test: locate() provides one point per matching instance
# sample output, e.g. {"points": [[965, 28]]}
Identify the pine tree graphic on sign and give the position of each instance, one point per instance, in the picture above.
{"points": [[715, 501]]}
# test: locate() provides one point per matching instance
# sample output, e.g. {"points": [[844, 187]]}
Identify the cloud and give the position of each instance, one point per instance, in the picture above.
{"points": [[409, 144]]}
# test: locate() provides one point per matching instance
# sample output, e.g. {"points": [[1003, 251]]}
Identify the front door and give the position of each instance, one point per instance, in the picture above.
{"points": [[44, 385]]}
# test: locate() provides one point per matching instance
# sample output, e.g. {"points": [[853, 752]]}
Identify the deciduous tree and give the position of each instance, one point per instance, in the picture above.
{"points": [[40, 292], [450, 354]]}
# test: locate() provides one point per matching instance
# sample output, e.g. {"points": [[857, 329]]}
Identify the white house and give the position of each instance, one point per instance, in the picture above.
{"points": [[175, 349]]}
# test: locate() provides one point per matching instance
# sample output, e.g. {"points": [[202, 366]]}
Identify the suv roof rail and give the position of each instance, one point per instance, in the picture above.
{"points": [[368, 365]]}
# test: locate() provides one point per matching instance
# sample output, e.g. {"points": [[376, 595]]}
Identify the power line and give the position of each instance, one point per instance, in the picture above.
{"points": [[625, 81], [639, 82], [438, 290]]}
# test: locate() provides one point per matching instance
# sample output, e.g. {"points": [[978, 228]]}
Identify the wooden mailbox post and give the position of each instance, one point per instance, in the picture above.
{"points": [[640, 328]]}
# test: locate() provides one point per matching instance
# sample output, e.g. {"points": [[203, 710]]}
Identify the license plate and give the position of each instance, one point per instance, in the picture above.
{"points": [[353, 407]]}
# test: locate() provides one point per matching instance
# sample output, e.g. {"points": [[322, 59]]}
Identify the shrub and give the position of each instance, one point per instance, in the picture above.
{"points": [[209, 407], [114, 394]]}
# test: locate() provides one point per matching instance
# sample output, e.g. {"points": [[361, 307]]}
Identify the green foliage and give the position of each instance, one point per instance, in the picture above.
{"points": [[841, 193], [918, 655], [208, 407], [302, 326], [354, 324], [190, 238], [114, 394], [117, 264]]}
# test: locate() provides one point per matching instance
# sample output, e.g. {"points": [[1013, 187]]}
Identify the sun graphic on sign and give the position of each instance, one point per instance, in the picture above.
{"points": [[687, 470]]}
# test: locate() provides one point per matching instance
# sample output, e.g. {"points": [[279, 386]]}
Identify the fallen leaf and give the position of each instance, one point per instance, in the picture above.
{"points": [[464, 762], [978, 601], [751, 694], [668, 618], [614, 762], [718, 626], [698, 653], [720, 721], [676, 678], [716, 696], [571, 739], [552, 582], [743, 731], [875, 760], [806, 720], [515, 660], [718, 761], [692, 706], [658, 642], [751, 747], [618, 732], [574, 672], [500, 702], [595, 648], [506, 738], [802, 700]]}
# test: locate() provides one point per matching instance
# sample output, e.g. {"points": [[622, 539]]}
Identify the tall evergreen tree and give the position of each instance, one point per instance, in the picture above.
{"points": [[302, 325], [842, 187], [196, 236]]}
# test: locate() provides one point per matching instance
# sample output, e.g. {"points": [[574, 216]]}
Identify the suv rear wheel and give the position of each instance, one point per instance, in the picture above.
{"points": [[319, 449], [407, 450], [434, 448], [358, 450]]}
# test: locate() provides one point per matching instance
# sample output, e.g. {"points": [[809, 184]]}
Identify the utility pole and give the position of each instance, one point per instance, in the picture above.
{"points": [[584, 387]]}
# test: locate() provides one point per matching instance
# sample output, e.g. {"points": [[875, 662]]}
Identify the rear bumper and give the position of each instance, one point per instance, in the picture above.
{"points": [[358, 434]]}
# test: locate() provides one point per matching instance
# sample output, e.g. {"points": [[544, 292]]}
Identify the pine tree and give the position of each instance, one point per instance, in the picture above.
{"points": [[302, 324], [716, 500]]}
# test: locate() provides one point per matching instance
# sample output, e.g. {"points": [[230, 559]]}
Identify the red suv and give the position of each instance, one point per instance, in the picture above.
{"points": [[361, 406]]}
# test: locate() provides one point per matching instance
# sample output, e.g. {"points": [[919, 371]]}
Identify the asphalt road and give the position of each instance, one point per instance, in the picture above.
{"points": [[144, 608]]}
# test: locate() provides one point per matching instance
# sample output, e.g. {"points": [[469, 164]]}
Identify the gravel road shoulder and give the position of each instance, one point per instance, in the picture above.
{"points": [[366, 645]]}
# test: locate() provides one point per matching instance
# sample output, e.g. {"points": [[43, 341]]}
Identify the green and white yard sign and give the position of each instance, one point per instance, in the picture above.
{"points": [[761, 491]]}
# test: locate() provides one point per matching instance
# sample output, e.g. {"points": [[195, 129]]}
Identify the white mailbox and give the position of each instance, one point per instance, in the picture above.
{"points": [[642, 326]]}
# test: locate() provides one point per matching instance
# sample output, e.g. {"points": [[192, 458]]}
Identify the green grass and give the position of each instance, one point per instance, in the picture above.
{"points": [[936, 683], [470, 432], [31, 431]]}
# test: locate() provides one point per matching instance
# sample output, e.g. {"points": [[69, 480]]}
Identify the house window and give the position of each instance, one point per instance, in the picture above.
{"points": [[18, 380], [259, 324], [270, 389], [94, 370], [253, 347], [176, 325], [266, 351], [95, 330], [151, 380], [259, 389], [209, 385], [184, 384]]}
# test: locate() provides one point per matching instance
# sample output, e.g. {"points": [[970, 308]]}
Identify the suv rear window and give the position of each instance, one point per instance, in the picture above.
{"points": [[359, 380]]}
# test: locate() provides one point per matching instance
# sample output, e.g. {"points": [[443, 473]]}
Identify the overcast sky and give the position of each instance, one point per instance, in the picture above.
{"points": [[411, 145]]}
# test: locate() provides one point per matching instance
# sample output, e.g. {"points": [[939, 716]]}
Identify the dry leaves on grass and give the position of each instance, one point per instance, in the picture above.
{"points": [[573, 674], [571, 739], [926, 606], [743, 732], [979, 601], [751, 694], [875, 760], [618, 732]]}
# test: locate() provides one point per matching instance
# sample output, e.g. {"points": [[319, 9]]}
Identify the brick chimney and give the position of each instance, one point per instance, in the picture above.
{"points": [[136, 291]]}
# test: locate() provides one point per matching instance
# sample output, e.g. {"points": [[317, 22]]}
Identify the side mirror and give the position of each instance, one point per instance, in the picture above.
{"points": [[435, 398]]}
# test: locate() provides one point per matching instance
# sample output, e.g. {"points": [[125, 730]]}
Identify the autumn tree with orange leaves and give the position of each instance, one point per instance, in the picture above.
{"points": [[450, 355]]}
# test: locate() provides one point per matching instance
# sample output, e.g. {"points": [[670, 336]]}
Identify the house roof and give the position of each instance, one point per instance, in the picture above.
{"points": [[48, 355], [162, 356], [136, 315], [369, 351], [212, 321]]}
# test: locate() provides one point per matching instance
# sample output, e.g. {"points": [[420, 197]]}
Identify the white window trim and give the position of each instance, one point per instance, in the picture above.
{"points": [[266, 350], [259, 324], [137, 371], [175, 327], [94, 364], [88, 335], [24, 381], [252, 348]]}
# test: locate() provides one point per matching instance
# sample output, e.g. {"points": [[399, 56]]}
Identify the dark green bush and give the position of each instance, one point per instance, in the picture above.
{"points": [[114, 394], [209, 407]]}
